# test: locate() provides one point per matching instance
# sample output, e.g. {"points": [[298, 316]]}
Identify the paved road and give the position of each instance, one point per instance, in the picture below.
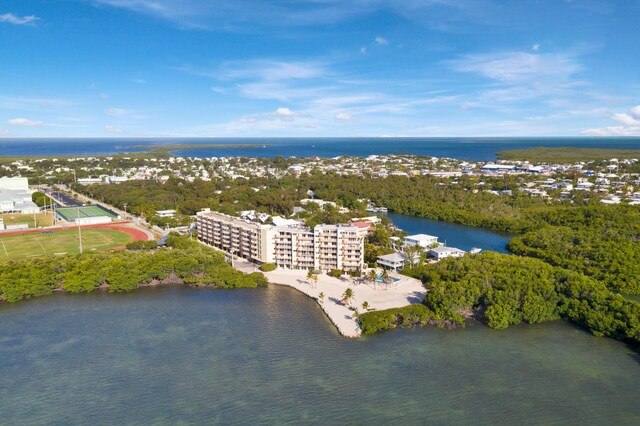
{"points": [[64, 199]]}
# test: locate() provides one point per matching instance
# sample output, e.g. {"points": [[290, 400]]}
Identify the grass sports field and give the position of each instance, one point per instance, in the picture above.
{"points": [[60, 241], [42, 219]]}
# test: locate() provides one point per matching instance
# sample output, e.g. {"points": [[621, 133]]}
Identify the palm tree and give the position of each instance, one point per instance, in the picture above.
{"points": [[385, 275], [310, 274], [315, 280], [365, 305], [372, 275], [321, 297], [413, 253], [347, 295]]}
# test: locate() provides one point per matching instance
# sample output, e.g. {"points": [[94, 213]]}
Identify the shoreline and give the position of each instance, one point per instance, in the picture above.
{"points": [[405, 292]]}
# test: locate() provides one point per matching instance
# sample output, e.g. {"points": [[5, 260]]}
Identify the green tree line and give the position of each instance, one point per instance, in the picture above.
{"points": [[504, 290], [121, 271], [601, 241]]}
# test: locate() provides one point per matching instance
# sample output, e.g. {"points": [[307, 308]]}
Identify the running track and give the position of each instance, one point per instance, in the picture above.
{"points": [[136, 234]]}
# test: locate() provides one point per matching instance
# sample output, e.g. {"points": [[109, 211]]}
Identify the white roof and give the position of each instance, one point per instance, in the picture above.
{"points": [[421, 237], [442, 250], [280, 221], [393, 257]]}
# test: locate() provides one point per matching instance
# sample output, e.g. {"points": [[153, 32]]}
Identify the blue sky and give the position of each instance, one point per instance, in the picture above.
{"points": [[190, 68]]}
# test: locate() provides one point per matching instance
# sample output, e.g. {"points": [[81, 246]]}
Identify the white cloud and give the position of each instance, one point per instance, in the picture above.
{"points": [[113, 129], [280, 114], [626, 119], [535, 47], [284, 112], [280, 91], [255, 15], [24, 122], [518, 67], [612, 131], [125, 113], [270, 70], [381, 41], [10, 18], [139, 81], [4, 131], [630, 125], [29, 104], [117, 112], [363, 50], [343, 116]]}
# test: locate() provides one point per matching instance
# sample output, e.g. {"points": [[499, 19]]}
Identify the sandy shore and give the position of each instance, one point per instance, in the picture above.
{"points": [[381, 296]]}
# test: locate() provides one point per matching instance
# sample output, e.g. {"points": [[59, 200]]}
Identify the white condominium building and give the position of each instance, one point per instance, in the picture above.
{"points": [[324, 247]]}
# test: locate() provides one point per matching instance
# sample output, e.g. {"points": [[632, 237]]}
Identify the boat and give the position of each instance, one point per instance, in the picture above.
{"points": [[475, 250]]}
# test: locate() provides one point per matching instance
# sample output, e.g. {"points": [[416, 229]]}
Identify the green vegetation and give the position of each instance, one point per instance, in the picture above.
{"points": [[567, 155], [409, 316], [268, 267], [504, 290], [143, 245], [335, 273], [601, 241], [184, 261], [64, 241]]}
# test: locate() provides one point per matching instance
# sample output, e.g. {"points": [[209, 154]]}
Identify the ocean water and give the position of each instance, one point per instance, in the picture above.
{"points": [[269, 356], [453, 234], [477, 149]]}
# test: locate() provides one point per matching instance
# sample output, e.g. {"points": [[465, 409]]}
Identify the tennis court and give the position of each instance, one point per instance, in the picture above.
{"points": [[70, 214]]}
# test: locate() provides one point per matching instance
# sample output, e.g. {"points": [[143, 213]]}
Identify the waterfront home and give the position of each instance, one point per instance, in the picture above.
{"points": [[393, 261], [422, 240], [439, 253]]}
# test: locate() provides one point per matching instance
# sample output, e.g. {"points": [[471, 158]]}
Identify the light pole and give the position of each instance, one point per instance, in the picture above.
{"points": [[125, 210], [79, 229]]}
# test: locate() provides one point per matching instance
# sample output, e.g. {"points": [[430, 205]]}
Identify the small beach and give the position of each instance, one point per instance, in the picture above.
{"points": [[379, 296]]}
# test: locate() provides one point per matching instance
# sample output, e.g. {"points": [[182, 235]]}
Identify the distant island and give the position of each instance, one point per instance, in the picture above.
{"points": [[567, 154]]}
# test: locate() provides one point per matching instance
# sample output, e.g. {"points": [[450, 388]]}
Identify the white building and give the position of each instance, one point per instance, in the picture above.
{"points": [[16, 197], [422, 240], [89, 181], [324, 247], [393, 261], [165, 213], [443, 252]]}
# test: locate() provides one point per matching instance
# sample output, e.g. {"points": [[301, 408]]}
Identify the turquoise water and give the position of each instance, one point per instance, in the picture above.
{"points": [[269, 356], [478, 149], [380, 278], [455, 235]]}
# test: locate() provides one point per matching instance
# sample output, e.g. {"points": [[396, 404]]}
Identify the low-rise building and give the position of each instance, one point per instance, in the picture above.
{"points": [[422, 240], [439, 253], [16, 197], [165, 213], [394, 261]]}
